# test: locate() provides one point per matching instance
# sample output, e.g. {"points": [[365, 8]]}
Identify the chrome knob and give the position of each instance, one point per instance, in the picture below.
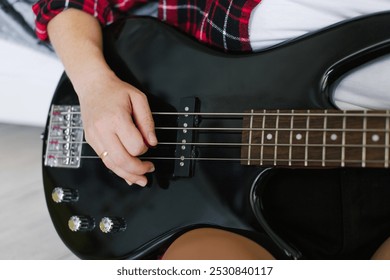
{"points": [[60, 195], [112, 224], [81, 223]]}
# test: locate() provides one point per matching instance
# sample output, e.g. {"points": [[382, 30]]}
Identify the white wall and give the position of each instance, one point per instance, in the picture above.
{"points": [[28, 79]]}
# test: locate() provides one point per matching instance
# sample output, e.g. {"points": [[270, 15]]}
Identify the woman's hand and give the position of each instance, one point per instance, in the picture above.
{"points": [[118, 125]]}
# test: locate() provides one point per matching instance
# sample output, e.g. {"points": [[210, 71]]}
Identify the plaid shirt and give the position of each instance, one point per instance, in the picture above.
{"points": [[219, 23]]}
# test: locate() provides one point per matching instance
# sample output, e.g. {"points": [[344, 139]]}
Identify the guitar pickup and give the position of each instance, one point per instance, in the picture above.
{"points": [[185, 151]]}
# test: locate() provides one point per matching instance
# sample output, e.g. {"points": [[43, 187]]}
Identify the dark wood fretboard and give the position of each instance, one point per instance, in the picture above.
{"points": [[316, 138]]}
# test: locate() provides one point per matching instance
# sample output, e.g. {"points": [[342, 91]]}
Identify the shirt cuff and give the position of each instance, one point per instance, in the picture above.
{"points": [[46, 10]]}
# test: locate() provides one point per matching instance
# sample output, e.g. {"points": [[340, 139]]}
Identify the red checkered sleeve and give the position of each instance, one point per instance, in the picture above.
{"points": [[220, 23], [106, 11]]}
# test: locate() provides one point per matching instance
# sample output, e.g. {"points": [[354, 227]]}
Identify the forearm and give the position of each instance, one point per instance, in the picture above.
{"points": [[77, 39]]}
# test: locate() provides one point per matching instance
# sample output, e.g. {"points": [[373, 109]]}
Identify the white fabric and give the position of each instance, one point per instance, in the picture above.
{"points": [[274, 21], [28, 79]]}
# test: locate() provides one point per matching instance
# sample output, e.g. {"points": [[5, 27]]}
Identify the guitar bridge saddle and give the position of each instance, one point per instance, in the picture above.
{"points": [[64, 137]]}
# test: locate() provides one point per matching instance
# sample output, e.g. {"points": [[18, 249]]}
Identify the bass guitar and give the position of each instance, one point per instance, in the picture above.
{"points": [[222, 121]]}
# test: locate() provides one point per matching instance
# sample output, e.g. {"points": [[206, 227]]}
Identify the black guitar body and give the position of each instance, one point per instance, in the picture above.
{"points": [[174, 70]]}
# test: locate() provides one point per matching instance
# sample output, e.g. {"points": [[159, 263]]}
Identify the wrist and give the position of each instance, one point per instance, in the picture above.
{"points": [[87, 79]]}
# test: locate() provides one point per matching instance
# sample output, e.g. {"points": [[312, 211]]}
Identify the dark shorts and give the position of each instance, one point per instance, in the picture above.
{"points": [[329, 214]]}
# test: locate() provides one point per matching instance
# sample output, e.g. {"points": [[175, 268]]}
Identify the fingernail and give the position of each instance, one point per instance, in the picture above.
{"points": [[151, 169], [141, 183], [152, 139], [129, 183]]}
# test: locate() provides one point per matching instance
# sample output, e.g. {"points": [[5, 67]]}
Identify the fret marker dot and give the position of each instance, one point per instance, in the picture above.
{"points": [[333, 137], [269, 136], [298, 136], [375, 137]]}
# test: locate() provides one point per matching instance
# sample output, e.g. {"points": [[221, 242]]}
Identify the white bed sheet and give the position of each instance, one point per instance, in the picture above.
{"points": [[27, 82]]}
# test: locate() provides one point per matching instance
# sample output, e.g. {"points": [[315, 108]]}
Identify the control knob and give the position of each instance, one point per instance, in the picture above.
{"points": [[60, 195], [81, 223], [112, 224]]}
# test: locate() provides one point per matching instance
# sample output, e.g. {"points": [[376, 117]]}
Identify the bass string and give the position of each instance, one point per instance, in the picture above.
{"points": [[231, 144], [242, 129], [292, 113], [227, 159]]}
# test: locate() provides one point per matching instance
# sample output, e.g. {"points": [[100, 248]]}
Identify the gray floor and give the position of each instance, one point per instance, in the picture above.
{"points": [[26, 231]]}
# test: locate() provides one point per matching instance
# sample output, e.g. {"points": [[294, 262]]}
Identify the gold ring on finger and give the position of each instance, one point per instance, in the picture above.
{"points": [[103, 155]]}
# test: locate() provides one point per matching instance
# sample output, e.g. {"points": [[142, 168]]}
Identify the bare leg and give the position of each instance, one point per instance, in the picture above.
{"points": [[215, 244], [383, 252]]}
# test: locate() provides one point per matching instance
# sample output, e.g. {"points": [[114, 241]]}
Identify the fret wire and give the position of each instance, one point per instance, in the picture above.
{"points": [[250, 139], [324, 139], [347, 161], [291, 138], [343, 142], [387, 142], [276, 138], [328, 160], [307, 137], [262, 138], [364, 140]]}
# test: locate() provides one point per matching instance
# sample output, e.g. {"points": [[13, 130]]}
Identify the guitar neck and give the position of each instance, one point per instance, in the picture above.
{"points": [[316, 138]]}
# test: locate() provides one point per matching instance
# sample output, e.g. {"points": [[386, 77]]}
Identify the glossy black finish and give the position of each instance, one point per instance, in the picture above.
{"points": [[169, 66]]}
